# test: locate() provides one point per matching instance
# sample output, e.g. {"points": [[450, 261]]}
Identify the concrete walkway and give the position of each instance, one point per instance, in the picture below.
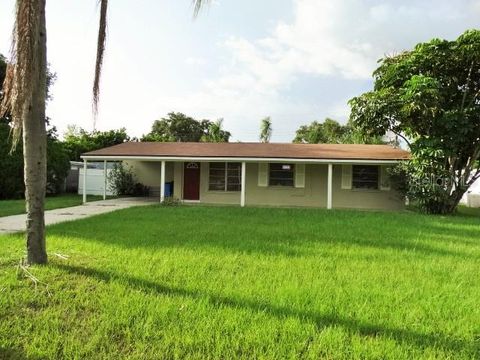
{"points": [[15, 223]]}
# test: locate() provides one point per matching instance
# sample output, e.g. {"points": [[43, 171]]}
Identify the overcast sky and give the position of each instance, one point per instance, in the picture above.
{"points": [[294, 60]]}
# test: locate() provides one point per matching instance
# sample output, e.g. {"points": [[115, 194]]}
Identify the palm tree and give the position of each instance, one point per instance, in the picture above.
{"points": [[24, 97], [266, 130], [216, 133]]}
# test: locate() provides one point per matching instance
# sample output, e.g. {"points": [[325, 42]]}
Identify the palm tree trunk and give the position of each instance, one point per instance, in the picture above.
{"points": [[34, 147]]}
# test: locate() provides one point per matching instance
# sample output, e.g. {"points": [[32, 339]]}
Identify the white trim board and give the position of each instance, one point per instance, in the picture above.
{"points": [[239, 159]]}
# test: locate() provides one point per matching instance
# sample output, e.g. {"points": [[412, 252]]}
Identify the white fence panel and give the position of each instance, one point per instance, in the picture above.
{"points": [[95, 182], [472, 197]]}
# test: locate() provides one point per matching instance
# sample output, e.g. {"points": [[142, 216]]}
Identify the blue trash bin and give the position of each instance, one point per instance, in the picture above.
{"points": [[168, 189]]}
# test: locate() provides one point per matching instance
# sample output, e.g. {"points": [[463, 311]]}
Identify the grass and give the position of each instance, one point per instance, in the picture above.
{"points": [[211, 282], [15, 207]]}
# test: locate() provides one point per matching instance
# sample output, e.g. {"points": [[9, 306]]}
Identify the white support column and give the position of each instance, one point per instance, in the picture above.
{"points": [[104, 179], [84, 181], [242, 189], [329, 186], [162, 182]]}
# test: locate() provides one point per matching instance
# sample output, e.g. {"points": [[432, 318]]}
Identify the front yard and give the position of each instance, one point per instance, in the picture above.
{"points": [[225, 282], [15, 207]]}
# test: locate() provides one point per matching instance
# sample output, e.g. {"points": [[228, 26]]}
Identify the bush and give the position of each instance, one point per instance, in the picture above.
{"points": [[122, 182], [170, 201], [140, 190]]}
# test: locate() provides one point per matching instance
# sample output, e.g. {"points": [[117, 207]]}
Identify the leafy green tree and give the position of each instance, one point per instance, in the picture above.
{"points": [[58, 162], [178, 127], [429, 96], [266, 130], [78, 141], [11, 163], [216, 133], [11, 160], [332, 132]]}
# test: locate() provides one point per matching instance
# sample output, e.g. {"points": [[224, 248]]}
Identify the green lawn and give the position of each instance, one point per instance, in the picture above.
{"points": [[14, 207], [225, 282]]}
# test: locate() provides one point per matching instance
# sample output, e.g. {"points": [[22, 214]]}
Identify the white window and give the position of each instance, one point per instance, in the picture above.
{"points": [[281, 174], [225, 176], [365, 177]]}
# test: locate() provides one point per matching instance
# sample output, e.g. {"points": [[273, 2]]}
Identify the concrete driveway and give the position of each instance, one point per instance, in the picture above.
{"points": [[15, 223]]}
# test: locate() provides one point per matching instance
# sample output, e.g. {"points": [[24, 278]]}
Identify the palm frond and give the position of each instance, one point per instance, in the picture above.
{"points": [[198, 5], [20, 77], [101, 41]]}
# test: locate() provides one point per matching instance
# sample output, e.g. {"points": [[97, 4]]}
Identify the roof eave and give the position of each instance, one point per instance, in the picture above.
{"points": [[245, 159]]}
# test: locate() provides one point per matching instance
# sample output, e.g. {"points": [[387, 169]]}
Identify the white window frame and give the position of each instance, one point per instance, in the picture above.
{"points": [[226, 176]]}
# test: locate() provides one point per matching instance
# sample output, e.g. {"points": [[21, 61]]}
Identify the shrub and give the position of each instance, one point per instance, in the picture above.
{"points": [[170, 201], [122, 182]]}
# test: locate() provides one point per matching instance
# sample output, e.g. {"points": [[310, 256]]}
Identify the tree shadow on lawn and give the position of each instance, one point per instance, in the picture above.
{"points": [[15, 354], [265, 233], [321, 321]]}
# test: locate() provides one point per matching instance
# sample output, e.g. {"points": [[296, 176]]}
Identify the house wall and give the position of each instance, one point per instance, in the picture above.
{"points": [[148, 172], [314, 194], [363, 199]]}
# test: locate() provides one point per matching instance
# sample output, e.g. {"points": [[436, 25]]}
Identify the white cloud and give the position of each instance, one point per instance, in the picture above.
{"points": [[340, 39], [195, 61]]}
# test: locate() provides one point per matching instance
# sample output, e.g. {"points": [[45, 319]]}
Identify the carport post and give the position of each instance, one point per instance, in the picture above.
{"points": [[104, 179], [242, 193], [84, 181], [162, 182], [329, 190]]}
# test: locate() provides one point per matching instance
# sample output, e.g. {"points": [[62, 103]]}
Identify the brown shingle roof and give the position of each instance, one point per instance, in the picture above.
{"points": [[254, 150]]}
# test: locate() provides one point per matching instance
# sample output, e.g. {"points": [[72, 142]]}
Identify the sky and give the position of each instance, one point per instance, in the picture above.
{"points": [[293, 60]]}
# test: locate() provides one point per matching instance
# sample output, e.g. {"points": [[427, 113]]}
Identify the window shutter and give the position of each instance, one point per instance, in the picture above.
{"points": [[262, 174], [384, 178], [346, 177], [299, 175]]}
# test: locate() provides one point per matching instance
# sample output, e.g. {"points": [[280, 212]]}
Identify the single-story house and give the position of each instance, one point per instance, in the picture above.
{"points": [[272, 174]]}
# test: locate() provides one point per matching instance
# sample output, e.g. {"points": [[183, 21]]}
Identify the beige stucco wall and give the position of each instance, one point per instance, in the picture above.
{"points": [[363, 199], [148, 172], [314, 194]]}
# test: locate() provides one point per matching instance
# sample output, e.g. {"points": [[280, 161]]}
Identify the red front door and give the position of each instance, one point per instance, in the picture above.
{"points": [[191, 181]]}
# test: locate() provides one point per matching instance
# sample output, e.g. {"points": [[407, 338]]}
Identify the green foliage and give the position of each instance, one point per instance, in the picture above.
{"points": [[121, 179], [123, 182], [11, 164], [430, 97], [11, 182], [171, 201], [266, 130], [332, 132], [178, 127], [216, 133], [58, 163], [198, 282], [78, 141], [11, 160], [3, 70]]}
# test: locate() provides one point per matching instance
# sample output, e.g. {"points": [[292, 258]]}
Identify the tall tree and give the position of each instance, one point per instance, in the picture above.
{"points": [[178, 127], [430, 96], [216, 133], [266, 130], [12, 184], [332, 132], [78, 141], [24, 96]]}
